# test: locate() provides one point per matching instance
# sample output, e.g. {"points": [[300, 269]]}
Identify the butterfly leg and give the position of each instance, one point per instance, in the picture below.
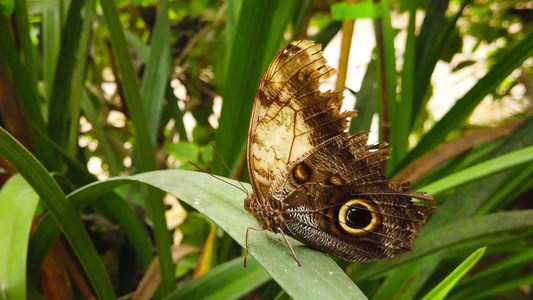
{"points": [[290, 247], [248, 230]]}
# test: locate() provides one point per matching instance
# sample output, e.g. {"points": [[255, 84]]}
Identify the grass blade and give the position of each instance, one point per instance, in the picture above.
{"points": [[481, 170], [445, 286], [17, 207], [157, 70], [58, 116]]}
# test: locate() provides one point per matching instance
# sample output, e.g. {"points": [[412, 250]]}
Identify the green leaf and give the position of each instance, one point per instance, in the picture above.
{"points": [[445, 286], [347, 11], [522, 258], [184, 151], [223, 204], [17, 207], [56, 202], [226, 281], [400, 139], [7, 7], [367, 99], [157, 70], [58, 114], [481, 170], [388, 76]]}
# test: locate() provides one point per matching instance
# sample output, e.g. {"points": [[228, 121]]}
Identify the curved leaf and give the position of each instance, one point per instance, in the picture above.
{"points": [[223, 204]]}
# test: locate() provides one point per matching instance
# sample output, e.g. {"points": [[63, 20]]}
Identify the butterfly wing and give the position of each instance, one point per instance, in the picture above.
{"points": [[290, 115], [332, 194], [346, 207]]}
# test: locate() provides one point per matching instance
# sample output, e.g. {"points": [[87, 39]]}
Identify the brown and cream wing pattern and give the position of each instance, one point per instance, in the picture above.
{"points": [[290, 116]]}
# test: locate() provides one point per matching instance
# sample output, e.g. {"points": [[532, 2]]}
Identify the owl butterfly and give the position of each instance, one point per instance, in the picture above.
{"points": [[314, 181]]}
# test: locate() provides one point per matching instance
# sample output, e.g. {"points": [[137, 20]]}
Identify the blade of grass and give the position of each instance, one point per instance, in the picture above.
{"points": [[78, 78], [388, 75], [26, 45], [226, 281], [157, 71], [51, 41], [66, 217], [103, 140], [481, 170], [434, 43], [367, 100], [429, 32], [176, 113], [445, 286], [143, 146], [59, 105], [17, 207], [499, 288], [464, 106], [514, 261], [27, 90], [399, 141]]}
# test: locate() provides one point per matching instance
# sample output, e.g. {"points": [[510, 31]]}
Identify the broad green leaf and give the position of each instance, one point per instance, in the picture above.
{"points": [[17, 207], [223, 204], [445, 286]]}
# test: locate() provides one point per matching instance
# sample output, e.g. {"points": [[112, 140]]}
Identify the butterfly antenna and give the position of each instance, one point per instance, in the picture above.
{"points": [[234, 185], [230, 171]]}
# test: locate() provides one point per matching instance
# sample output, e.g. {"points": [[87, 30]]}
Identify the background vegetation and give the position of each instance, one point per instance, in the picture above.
{"points": [[109, 84]]}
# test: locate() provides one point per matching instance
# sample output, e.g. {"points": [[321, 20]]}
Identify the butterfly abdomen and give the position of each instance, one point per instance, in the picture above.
{"points": [[268, 213]]}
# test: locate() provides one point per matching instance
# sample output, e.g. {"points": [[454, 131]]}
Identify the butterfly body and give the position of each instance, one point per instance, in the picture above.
{"points": [[314, 181]]}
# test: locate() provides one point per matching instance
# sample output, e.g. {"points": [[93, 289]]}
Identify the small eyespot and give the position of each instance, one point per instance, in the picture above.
{"points": [[301, 173], [358, 217], [336, 180], [303, 76]]}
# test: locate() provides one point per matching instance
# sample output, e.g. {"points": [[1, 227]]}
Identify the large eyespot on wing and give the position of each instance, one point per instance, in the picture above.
{"points": [[290, 115], [352, 225]]}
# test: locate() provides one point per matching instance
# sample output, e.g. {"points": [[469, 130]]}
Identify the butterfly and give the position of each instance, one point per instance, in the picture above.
{"points": [[314, 181]]}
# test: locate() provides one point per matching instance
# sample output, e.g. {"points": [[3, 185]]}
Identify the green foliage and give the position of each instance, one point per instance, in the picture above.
{"points": [[115, 84]]}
